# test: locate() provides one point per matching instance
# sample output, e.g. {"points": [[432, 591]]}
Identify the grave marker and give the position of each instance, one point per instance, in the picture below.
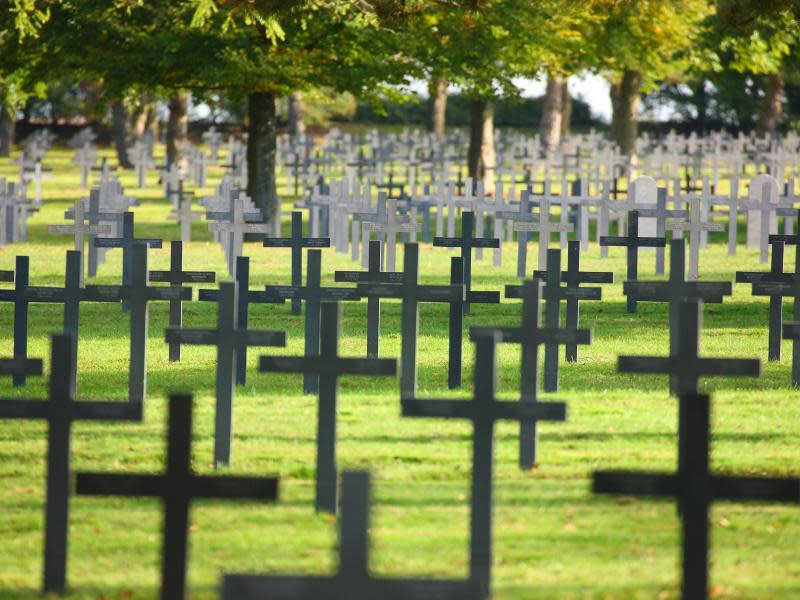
{"points": [[328, 366], [177, 488], [228, 337], [60, 410], [297, 242]]}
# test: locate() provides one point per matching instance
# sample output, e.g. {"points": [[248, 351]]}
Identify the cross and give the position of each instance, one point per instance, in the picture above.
{"points": [[104, 169], [456, 331], [80, 229], [543, 226], [412, 293], [676, 290], [530, 335], [95, 216], [373, 274], [466, 242], [176, 488], [553, 294], [388, 223], [19, 296], [662, 215], [138, 294], [184, 214], [245, 297], [6, 276], [633, 242], [236, 229], [297, 242], [686, 366], [523, 214], [695, 489], [574, 277], [328, 366], [60, 410], [352, 580], [228, 337], [483, 410], [314, 294], [789, 285], [695, 226], [176, 277], [84, 158], [775, 274], [127, 243]]}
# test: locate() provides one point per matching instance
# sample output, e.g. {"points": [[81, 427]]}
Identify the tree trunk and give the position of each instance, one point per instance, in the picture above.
{"points": [[566, 112], [7, 127], [550, 122], [178, 129], [119, 131], [625, 105], [261, 150], [481, 157], [701, 104], [142, 117], [437, 106], [773, 105], [296, 111]]}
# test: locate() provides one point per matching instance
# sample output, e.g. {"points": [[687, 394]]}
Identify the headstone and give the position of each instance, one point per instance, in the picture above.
{"points": [[643, 191], [483, 410], [412, 293], [374, 274], [176, 277], [228, 337], [632, 242], [297, 242], [695, 488], [328, 366], [314, 294], [466, 242], [60, 410], [177, 488]]}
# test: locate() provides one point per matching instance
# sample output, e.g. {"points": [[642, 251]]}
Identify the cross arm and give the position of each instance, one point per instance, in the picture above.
{"points": [[486, 297], [28, 366], [635, 484], [70, 229], [762, 276], [262, 338], [791, 331], [786, 239], [120, 484], [104, 293], [367, 277], [303, 242], [183, 277], [441, 293], [286, 291], [199, 337], [766, 489], [117, 242], [24, 409], [107, 411], [277, 587], [472, 409], [169, 293], [45, 294], [583, 276], [7, 276], [384, 290], [773, 288], [328, 366], [667, 290], [252, 488]]}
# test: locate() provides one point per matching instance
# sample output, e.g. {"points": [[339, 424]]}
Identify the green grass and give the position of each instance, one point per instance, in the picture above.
{"points": [[553, 538]]}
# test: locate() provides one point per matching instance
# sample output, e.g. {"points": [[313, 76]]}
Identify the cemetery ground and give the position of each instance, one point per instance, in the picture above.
{"points": [[553, 538]]}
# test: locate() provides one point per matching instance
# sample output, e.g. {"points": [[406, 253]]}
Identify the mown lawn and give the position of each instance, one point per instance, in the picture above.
{"points": [[553, 538]]}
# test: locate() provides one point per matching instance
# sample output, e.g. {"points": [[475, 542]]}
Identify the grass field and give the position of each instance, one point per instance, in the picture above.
{"points": [[553, 538]]}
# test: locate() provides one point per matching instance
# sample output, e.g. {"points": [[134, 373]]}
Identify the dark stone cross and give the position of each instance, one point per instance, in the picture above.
{"points": [[328, 366], [633, 242], [530, 335], [139, 295], [483, 410], [297, 242], [176, 488], [19, 296], [695, 488], [456, 331], [228, 337], [314, 294], [774, 275], [573, 277], [686, 366], [412, 293], [466, 242], [676, 290], [96, 218], [353, 580], [788, 286], [126, 242], [553, 294], [373, 274], [6, 276], [176, 277], [60, 410], [245, 297]]}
